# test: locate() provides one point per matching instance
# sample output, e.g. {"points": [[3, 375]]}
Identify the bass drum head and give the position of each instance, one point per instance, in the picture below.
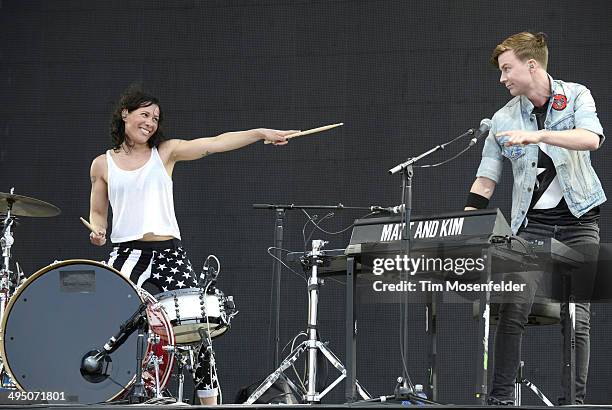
{"points": [[56, 317]]}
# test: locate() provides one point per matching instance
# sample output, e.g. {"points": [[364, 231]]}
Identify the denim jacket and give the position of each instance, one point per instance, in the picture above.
{"points": [[581, 187]]}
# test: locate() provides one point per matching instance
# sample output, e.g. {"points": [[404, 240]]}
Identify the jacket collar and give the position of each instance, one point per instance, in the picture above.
{"points": [[555, 88]]}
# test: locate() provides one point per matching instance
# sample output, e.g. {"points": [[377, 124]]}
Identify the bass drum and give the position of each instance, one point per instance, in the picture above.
{"points": [[62, 313]]}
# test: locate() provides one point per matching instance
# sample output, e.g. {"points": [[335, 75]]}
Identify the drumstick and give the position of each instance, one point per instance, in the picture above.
{"points": [[88, 225], [311, 131]]}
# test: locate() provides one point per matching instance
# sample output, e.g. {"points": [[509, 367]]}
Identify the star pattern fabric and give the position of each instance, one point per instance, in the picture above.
{"points": [[205, 375], [171, 270]]}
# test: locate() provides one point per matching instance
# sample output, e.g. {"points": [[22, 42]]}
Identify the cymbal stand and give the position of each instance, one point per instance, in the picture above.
{"points": [[6, 284], [6, 242], [312, 345]]}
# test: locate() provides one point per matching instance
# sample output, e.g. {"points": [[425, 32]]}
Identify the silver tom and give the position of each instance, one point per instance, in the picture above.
{"points": [[195, 313]]}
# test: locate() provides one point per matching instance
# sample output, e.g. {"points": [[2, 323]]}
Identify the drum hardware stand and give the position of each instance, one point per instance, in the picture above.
{"points": [[7, 286], [182, 354], [312, 345], [153, 362], [181, 378], [6, 242], [279, 222], [520, 380], [8, 283], [180, 362], [186, 361], [138, 393], [33, 207], [25, 207]]}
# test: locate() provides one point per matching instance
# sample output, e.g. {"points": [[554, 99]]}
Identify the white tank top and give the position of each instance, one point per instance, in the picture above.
{"points": [[141, 200]]}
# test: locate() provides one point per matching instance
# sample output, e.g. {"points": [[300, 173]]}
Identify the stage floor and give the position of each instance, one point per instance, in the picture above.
{"points": [[285, 407]]}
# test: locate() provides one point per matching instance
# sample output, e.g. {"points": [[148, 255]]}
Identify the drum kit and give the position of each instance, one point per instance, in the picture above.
{"points": [[79, 331]]}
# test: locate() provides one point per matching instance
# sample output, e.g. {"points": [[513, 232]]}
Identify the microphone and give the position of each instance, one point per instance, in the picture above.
{"points": [[481, 132], [95, 366], [92, 363], [209, 273], [390, 210]]}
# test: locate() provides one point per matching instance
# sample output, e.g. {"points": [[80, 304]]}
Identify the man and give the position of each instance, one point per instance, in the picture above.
{"points": [[546, 131]]}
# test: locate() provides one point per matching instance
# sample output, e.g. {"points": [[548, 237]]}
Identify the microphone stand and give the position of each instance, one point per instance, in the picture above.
{"points": [[279, 211], [138, 392], [410, 161], [404, 390], [91, 364]]}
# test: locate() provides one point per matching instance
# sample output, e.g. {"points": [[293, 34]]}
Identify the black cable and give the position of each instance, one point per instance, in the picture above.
{"points": [[445, 161], [316, 225], [283, 263], [524, 243]]}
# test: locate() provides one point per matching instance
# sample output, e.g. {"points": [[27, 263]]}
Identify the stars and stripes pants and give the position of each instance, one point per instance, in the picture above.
{"points": [[165, 266]]}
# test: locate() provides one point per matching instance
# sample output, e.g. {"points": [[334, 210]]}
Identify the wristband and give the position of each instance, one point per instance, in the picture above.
{"points": [[476, 201]]}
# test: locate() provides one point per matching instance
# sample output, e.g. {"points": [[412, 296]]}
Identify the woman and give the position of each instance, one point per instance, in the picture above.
{"points": [[135, 178]]}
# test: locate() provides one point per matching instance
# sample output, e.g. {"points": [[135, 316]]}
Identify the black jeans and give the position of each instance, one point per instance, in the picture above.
{"points": [[513, 316]]}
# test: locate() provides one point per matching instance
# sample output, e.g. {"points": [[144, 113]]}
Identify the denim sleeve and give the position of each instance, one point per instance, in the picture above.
{"points": [[585, 114], [491, 164]]}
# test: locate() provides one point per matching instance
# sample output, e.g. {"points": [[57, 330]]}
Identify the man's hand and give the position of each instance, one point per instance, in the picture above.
{"points": [[519, 137], [98, 238]]}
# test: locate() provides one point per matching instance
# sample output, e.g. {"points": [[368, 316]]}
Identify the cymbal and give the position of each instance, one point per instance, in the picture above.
{"points": [[26, 206]]}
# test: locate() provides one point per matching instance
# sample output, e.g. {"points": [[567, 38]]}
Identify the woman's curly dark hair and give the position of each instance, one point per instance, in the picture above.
{"points": [[132, 99]]}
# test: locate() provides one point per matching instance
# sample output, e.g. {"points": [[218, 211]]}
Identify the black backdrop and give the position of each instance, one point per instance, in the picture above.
{"points": [[402, 75]]}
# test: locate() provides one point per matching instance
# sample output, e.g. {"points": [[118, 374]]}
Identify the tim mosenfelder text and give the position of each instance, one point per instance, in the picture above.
{"points": [[449, 286]]}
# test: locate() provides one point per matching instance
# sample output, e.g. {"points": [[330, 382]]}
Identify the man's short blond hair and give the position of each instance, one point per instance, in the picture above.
{"points": [[526, 46]]}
